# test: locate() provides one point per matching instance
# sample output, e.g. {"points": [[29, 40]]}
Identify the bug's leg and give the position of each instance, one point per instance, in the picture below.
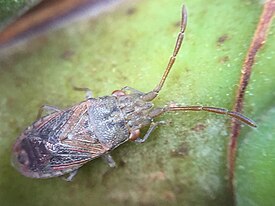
{"points": [[47, 108], [152, 127], [132, 90], [71, 175], [108, 158], [89, 93]]}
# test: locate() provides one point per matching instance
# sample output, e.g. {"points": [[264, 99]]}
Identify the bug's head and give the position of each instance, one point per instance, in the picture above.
{"points": [[29, 156], [134, 107]]}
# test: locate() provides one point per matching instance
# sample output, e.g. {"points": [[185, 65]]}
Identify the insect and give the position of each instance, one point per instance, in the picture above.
{"points": [[64, 140]]}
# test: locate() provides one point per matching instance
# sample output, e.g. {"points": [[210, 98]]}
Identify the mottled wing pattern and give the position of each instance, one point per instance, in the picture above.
{"points": [[69, 137]]}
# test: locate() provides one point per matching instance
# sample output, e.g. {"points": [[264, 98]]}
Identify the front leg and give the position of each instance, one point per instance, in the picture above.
{"points": [[89, 93], [152, 127], [131, 90]]}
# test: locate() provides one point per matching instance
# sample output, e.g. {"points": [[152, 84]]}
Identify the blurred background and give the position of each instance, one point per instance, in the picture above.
{"points": [[21, 19]]}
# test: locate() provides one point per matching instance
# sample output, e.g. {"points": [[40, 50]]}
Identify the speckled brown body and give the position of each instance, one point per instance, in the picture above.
{"points": [[63, 141]]}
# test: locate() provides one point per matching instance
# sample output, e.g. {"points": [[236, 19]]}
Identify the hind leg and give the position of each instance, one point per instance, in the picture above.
{"points": [[71, 175], [46, 108], [110, 161]]}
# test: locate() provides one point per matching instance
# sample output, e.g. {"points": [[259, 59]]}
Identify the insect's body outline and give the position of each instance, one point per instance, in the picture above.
{"points": [[62, 141], [69, 138]]}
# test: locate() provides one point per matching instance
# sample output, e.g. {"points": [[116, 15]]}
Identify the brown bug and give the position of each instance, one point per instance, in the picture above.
{"points": [[64, 140]]}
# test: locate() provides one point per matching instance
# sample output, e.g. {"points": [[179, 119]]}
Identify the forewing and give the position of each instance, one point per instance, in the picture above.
{"points": [[69, 137]]}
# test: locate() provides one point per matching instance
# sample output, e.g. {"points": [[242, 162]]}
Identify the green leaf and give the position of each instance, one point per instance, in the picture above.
{"points": [[255, 171], [12, 9], [181, 164]]}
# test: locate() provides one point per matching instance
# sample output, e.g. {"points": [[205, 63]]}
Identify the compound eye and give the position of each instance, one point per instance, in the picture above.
{"points": [[23, 158], [118, 93]]}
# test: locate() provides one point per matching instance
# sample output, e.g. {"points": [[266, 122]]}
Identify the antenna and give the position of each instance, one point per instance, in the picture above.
{"points": [[172, 108], [154, 93]]}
